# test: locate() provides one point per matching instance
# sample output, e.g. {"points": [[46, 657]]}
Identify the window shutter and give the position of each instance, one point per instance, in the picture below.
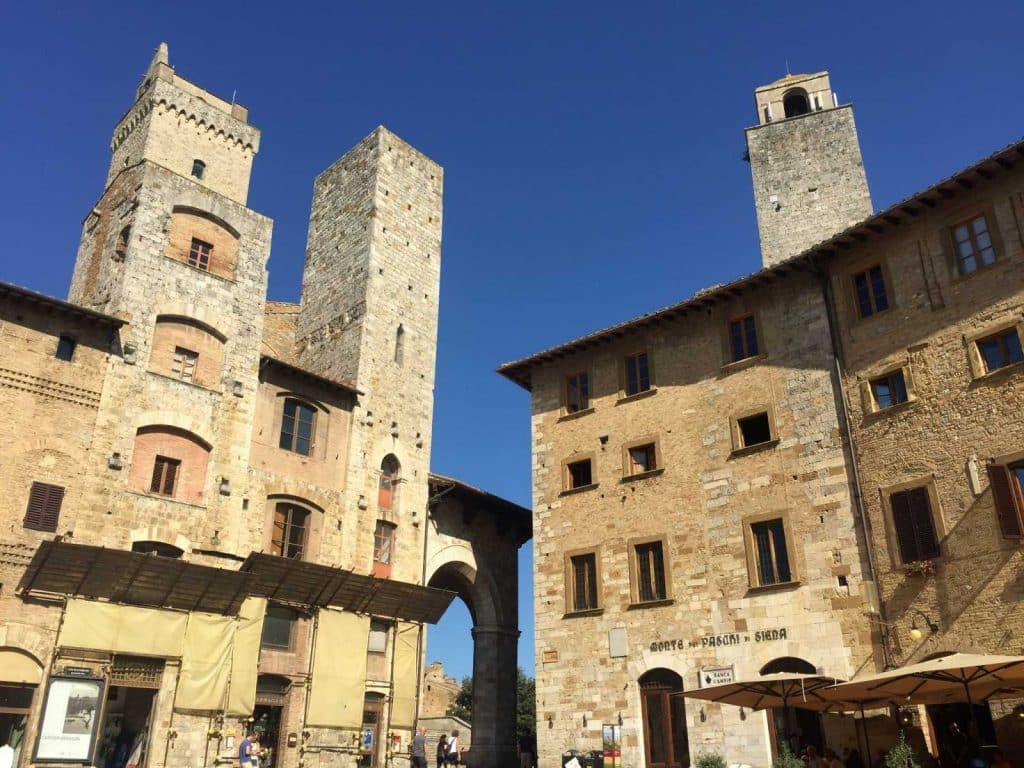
{"points": [[44, 502], [924, 527], [1007, 512], [169, 478], [154, 483], [974, 359], [866, 398], [909, 382], [903, 522]]}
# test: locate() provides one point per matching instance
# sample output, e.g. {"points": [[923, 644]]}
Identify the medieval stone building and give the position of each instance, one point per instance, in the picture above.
{"points": [[219, 513], [815, 468]]}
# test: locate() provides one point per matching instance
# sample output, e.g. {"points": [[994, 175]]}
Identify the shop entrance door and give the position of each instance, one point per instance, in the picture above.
{"points": [[951, 725], [267, 725], [369, 745], [665, 738], [124, 734]]}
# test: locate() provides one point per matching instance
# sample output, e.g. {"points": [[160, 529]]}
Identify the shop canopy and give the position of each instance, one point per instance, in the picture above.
{"points": [[63, 569]]}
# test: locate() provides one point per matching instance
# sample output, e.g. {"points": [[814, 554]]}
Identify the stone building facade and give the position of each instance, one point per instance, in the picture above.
{"points": [[789, 472], [220, 512], [439, 691]]}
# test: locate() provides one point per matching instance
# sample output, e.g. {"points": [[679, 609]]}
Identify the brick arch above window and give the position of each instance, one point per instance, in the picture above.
{"points": [[169, 462], [187, 349], [203, 241]]}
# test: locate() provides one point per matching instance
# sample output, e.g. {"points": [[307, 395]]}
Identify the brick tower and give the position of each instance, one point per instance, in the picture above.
{"points": [[369, 317], [809, 180]]}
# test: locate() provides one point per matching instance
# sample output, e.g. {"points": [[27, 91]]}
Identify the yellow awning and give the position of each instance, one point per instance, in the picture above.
{"points": [[339, 670], [18, 667], [407, 647], [122, 628]]}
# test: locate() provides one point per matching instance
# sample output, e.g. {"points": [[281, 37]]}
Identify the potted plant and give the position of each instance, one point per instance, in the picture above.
{"points": [[920, 567], [787, 759], [709, 760], [902, 755]]}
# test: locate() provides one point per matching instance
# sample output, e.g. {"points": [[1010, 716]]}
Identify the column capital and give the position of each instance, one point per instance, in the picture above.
{"points": [[496, 630]]}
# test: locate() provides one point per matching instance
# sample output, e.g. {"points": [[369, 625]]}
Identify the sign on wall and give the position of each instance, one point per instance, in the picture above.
{"points": [[70, 720], [710, 676]]}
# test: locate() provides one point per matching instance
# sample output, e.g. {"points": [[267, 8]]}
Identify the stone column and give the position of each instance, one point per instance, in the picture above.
{"points": [[494, 698]]}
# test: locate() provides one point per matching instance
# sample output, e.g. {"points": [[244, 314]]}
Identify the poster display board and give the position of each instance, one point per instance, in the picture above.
{"points": [[70, 720]]}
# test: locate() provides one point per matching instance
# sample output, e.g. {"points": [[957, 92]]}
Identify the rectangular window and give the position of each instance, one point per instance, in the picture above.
{"points": [[43, 511], [199, 254], [638, 374], [583, 572], [872, 296], [577, 392], [378, 640], [297, 424], [650, 572], [771, 552], [578, 474], [278, 627], [754, 430], [165, 475], [383, 549], [291, 525], [1000, 350], [184, 363], [1008, 496], [914, 526], [889, 390], [973, 245], [642, 458], [743, 338], [65, 348]]}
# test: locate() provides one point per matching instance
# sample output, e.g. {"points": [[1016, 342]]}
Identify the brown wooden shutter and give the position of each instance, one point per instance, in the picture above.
{"points": [[924, 526], [1008, 512], [170, 476], [44, 502], [154, 483]]}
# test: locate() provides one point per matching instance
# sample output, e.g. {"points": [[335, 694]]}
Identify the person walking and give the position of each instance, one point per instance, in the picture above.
{"points": [[419, 748], [442, 750], [453, 757], [245, 751]]}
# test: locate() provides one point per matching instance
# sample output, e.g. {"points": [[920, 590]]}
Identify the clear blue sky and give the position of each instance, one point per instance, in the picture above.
{"points": [[592, 151]]}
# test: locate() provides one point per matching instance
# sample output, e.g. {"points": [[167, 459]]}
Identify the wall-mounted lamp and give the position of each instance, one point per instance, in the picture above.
{"points": [[114, 462], [915, 632], [905, 716], [1018, 712]]}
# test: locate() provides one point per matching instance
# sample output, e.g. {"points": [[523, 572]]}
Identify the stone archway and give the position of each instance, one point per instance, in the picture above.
{"points": [[472, 545]]}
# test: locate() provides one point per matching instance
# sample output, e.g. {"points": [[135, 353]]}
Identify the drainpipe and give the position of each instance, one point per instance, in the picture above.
{"points": [[844, 417]]}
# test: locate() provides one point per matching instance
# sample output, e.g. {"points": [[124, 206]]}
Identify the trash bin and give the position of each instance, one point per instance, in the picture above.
{"points": [[568, 755], [592, 759]]}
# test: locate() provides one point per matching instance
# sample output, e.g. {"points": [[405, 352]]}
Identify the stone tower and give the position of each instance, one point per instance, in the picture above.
{"points": [[809, 180], [171, 248], [369, 317]]}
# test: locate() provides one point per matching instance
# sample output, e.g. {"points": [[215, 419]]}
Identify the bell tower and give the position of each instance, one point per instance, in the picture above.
{"points": [[807, 169]]}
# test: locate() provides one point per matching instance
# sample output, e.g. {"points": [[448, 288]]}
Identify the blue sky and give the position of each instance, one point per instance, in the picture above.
{"points": [[592, 152]]}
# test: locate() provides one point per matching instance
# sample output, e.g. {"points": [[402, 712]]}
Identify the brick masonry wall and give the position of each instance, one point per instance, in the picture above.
{"points": [[812, 165], [700, 504]]}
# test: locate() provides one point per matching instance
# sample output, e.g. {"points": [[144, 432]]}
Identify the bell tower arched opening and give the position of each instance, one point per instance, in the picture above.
{"points": [[795, 102]]}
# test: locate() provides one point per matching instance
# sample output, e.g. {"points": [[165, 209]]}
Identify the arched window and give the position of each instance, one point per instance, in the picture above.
{"points": [[795, 102], [291, 531], [171, 462], [203, 241], [789, 664], [801, 727], [187, 350], [158, 548], [399, 344], [389, 469], [298, 425]]}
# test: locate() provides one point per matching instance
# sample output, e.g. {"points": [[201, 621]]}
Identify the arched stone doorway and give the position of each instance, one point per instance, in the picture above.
{"points": [[802, 726], [666, 741], [472, 547]]}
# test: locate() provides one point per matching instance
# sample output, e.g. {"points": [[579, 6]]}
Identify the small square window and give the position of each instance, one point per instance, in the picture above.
{"points": [[198, 168], [65, 348], [771, 552], [641, 458], [165, 476], [183, 365], [973, 244], [754, 430], [378, 640], [650, 572], [278, 627], [577, 392], [199, 254], [743, 338], [583, 582], [578, 474], [872, 296], [889, 390], [638, 374], [1000, 350]]}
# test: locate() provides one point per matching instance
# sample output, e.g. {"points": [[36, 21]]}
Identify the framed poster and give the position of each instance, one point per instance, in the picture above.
{"points": [[71, 713]]}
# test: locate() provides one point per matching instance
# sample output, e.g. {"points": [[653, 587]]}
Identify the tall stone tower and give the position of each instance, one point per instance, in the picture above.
{"points": [[809, 180], [370, 293], [171, 248]]}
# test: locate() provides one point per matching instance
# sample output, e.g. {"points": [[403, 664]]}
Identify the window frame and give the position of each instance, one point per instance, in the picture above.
{"points": [[567, 486], [294, 435], [293, 625], [44, 516], [883, 268], [738, 448], [978, 366], [201, 166], [587, 405], [161, 467], [937, 516], [1007, 494], [570, 582], [647, 441], [624, 365], [383, 627], [383, 568], [869, 400], [197, 247], [987, 213], [285, 541], [632, 547], [742, 319], [189, 359], [750, 546], [67, 345]]}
